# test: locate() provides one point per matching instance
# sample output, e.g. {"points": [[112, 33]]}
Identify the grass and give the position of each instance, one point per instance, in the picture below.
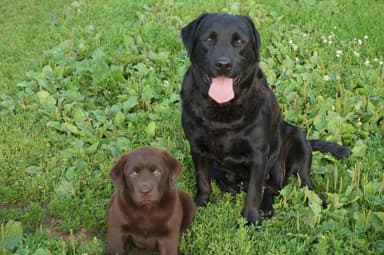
{"points": [[81, 82]]}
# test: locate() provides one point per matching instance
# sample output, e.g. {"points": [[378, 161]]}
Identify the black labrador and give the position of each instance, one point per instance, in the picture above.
{"points": [[232, 118]]}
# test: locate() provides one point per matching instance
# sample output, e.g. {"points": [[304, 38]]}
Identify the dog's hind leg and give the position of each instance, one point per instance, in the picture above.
{"points": [[304, 168]]}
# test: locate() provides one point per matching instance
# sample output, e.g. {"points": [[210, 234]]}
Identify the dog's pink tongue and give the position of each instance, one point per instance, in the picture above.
{"points": [[221, 89]]}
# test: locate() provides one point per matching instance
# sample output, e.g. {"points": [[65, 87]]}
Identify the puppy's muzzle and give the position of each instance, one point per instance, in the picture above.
{"points": [[145, 188]]}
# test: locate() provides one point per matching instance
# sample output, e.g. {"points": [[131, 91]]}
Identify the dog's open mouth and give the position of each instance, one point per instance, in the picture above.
{"points": [[221, 89]]}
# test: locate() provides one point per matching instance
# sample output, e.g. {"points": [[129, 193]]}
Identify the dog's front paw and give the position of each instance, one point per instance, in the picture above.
{"points": [[267, 214], [201, 200], [253, 217]]}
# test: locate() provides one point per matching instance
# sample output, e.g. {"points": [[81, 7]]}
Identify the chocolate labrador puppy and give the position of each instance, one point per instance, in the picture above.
{"points": [[147, 211], [232, 118]]}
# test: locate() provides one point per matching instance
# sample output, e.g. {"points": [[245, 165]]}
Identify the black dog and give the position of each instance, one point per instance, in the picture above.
{"points": [[232, 118]]}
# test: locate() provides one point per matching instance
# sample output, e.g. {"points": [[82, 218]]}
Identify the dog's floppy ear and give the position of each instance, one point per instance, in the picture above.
{"points": [[189, 31], [116, 173], [255, 37], [174, 166]]}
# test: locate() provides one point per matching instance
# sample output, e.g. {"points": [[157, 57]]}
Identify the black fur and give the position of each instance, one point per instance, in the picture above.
{"points": [[243, 143]]}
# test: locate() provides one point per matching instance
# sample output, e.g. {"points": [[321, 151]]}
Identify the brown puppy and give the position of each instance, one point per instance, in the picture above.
{"points": [[147, 211]]}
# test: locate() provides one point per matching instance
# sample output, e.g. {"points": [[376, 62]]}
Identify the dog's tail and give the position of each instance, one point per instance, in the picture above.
{"points": [[335, 149]]}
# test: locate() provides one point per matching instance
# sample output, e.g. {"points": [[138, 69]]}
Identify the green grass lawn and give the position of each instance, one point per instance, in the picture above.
{"points": [[82, 82]]}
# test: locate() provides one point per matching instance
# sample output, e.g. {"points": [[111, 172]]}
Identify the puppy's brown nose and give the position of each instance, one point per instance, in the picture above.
{"points": [[145, 188], [223, 64]]}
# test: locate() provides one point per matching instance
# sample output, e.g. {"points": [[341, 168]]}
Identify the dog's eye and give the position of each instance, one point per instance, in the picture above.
{"points": [[208, 40], [133, 173], [156, 172], [239, 42]]}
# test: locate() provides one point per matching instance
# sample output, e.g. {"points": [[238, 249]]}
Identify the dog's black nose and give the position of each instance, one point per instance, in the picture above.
{"points": [[223, 64]]}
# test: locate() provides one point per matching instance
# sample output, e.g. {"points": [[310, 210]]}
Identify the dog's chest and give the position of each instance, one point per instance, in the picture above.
{"points": [[225, 148], [144, 232]]}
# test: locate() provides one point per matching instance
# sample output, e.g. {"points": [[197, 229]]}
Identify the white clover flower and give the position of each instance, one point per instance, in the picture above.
{"points": [[359, 42], [326, 78], [294, 47], [366, 62], [357, 54], [376, 60], [297, 59], [366, 37], [325, 41], [381, 62], [290, 42], [339, 53]]}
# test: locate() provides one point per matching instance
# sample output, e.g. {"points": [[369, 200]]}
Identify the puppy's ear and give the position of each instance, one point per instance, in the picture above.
{"points": [[116, 173], [174, 166], [255, 37], [188, 33]]}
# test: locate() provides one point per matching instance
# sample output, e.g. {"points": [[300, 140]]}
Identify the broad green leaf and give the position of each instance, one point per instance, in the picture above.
{"points": [[47, 71], [114, 108], [41, 251], [148, 94], [142, 69], [320, 121], [70, 128], [46, 99], [379, 246], [376, 221], [335, 121], [160, 56], [55, 124], [119, 119], [314, 201], [130, 103], [359, 150], [13, 233], [33, 170], [65, 188], [93, 148], [79, 115], [150, 130], [98, 54]]}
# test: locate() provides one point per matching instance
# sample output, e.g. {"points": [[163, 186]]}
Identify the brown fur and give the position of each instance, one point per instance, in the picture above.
{"points": [[147, 212]]}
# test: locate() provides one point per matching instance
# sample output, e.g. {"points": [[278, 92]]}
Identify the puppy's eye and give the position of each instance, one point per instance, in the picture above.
{"points": [[133, 173], [156, 172]]}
